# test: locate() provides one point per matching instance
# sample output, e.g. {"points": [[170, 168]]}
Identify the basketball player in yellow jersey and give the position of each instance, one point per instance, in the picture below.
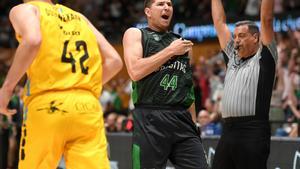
{"points": [[67, 61]]}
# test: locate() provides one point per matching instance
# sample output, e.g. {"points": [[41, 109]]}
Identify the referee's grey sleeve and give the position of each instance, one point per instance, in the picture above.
{"points": [[229, 49]]}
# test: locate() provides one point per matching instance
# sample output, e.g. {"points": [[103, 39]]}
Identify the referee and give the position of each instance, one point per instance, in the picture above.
{"points": [[251, 58]]}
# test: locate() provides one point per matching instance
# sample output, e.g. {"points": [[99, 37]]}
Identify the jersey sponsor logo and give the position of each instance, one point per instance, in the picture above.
{"points": [[53, 108], [67, 17], [156, 37], [177, 65], [73, 33], [85, 106]]}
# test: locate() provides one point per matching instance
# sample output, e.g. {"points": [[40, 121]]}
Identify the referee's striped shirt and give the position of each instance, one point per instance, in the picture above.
{"points": [[249, 82]]}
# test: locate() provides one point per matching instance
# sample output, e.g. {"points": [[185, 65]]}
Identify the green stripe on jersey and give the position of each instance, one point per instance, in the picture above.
{"points": [[136, 157]]}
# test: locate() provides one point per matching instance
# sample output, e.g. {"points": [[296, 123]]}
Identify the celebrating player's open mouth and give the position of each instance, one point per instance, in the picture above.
{"points": [[165, 17]]}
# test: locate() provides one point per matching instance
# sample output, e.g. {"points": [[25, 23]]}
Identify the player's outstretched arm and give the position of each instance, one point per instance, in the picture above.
{"points": [[139, 67], [266, 17], [29, 30], [111, 60], [219, 19]]}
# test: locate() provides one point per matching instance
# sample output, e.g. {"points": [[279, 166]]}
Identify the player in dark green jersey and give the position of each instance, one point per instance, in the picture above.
{"points": [[157, 61]]}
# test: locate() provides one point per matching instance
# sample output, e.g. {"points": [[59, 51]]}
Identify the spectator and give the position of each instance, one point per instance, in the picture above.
{"points": [[120, 125], [252, 7], [295, 131], [278, 6], [110, 122], [208, 128]]}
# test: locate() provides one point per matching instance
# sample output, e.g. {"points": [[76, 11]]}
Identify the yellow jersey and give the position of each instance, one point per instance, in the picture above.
{"points": [[68, 58]]}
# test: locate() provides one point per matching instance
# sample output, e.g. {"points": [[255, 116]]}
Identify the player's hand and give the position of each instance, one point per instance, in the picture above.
{"points": [[4, 100], [180, 46]]}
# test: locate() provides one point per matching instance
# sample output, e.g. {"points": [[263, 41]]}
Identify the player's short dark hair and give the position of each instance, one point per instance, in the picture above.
{"points": [[148, 3], [253, 28]]}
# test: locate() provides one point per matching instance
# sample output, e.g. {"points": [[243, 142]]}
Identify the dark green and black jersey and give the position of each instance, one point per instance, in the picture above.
{"points": [[171, 84]]}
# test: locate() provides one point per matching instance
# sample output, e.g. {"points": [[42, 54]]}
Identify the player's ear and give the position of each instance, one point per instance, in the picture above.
{"points": [[256, 36], [147, 11]]}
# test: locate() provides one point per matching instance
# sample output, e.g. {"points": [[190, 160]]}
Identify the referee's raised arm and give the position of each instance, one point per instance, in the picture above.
{"points": [[219, 19], [266, 17]]}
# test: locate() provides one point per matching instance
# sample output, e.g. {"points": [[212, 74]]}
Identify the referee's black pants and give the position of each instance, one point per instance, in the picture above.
{"points": [[244, 144]]}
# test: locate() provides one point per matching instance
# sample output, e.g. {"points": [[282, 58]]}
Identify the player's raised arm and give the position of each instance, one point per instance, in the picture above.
{"points": [[29, 31], [219, 19], [266, 17], [139, 67], [112, 62]]}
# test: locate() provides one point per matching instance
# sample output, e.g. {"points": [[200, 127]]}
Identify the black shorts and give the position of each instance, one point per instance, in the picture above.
{"points": [[243, 145], [160, 135]]}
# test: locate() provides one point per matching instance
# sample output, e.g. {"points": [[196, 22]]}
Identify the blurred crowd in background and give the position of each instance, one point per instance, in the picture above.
{"points": [[115, 16]]}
